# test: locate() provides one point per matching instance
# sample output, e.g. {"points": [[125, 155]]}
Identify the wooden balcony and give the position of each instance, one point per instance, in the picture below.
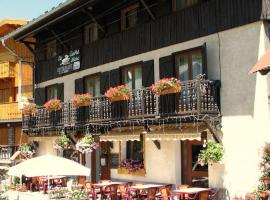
{"points": [[197, 98], [6, 70], [10, 112], [6, 152]]}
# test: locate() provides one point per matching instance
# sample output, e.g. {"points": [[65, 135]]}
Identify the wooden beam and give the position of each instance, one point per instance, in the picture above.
{"points": [[29, 47], [148, 9], [212, 131], [157, 144], [57, 38]]}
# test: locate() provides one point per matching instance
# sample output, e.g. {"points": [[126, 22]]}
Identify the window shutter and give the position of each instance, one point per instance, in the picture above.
{"points": [[166, 67], [79, 86], [60, 91], [167, 70], [204, 59], [115, 78], [104, 82], [40, 96], [148, 73]]}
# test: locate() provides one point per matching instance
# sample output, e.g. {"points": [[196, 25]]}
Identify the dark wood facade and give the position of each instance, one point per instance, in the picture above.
{"points": [[168, 27]]}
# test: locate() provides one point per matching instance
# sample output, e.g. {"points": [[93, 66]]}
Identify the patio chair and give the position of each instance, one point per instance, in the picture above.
{"points": [[182, 186], [91, 194], [164, 194], [122, 193]]}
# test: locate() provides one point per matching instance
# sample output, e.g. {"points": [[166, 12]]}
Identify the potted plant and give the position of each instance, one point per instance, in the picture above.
{"points": [[166, 86], [212, 153], [53, 105], [27, 150], [62, 142], [119, 93], [86, 144], [132, 165], [29, 109], [79, 100]]}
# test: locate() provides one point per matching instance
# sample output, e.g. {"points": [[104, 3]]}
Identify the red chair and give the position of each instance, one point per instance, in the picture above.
{"points": [[164, 193], [88, 186]]}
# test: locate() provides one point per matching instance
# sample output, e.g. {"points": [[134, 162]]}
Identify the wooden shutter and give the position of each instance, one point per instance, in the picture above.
{"points": [[166, 67], [148, 73], [60, 91], [79, 86], [204, 59], [166, 70], [104, 82], [40, 96]]}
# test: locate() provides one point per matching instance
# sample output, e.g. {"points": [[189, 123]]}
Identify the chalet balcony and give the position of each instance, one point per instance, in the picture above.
{"points": [[10, 112], [197, 98], [6, 70]]}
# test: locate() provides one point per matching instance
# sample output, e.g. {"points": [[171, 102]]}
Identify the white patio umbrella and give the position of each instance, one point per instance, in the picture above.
{"points": [[49, 165]]}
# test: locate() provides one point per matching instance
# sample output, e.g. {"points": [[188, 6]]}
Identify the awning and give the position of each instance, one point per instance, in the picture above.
{"points": [[120, 137], [173, 137], [263, 65]]}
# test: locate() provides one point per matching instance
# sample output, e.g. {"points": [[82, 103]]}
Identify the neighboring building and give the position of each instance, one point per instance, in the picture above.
{"points": [[10, 82], [90, 46]]}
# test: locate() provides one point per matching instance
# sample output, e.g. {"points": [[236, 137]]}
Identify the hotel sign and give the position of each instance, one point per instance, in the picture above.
{"points": [[68, 62]]}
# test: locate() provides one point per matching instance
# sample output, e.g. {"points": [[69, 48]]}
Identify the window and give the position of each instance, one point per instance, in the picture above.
{"points": [[134, 150], [90, 33], [51, 92], [132, 76], [4, 95], [129, 17], [92, 85], [181, 4], [189, 64], [50, 49]]}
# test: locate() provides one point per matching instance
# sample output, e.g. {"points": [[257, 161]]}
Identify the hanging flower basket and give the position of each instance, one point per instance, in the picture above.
{"points": [[27, 150], [119, 93], [53, 105], [29, 109], [79, 100], [87, 144], [62, 142], [166, 86]]}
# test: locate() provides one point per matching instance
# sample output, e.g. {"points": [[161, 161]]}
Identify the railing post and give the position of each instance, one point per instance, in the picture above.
{"points": [[198, 94]]}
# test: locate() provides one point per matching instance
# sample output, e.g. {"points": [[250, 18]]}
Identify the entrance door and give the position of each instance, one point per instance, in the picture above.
{"points": [[105, 166], [193, 174]]}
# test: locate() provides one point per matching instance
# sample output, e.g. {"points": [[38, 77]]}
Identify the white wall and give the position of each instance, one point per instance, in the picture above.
{"points": [[244, 106]]}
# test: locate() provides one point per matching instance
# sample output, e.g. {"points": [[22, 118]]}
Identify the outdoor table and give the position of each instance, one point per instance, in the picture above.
{"points": [[188, 191], [150, 188], [113, 188]]}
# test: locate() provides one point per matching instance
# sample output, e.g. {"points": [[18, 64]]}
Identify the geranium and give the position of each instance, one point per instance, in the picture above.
{"points": [[119, 91], [53, 105], [81, 100], [163, 86], [132, 165], [86, 144], [62, 142], [29, 109]]}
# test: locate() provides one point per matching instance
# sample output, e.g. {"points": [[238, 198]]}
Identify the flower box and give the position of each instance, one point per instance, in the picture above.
{"points": [[166, 86], [80, 100], [53, 105], [119, 93], [29, 109], [139, 172]]}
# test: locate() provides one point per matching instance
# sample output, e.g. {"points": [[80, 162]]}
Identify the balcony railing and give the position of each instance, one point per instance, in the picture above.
{"points": [[10, 112], [198, 97], [6, 70], [6, 151]]}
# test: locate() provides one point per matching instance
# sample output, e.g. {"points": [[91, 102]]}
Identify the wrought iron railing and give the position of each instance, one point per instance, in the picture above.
{"points": [[197, 97], [6, 151]]}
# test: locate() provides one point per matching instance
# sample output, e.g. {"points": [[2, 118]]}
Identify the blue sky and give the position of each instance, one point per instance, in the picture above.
{"points": [[25, 9]]}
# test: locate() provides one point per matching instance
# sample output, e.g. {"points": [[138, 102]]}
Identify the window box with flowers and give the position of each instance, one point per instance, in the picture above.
{"points": [[87, 144], [29, 109], [119, 93], [80, 100], [132, 167], [166, 86], [53, 105]]}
